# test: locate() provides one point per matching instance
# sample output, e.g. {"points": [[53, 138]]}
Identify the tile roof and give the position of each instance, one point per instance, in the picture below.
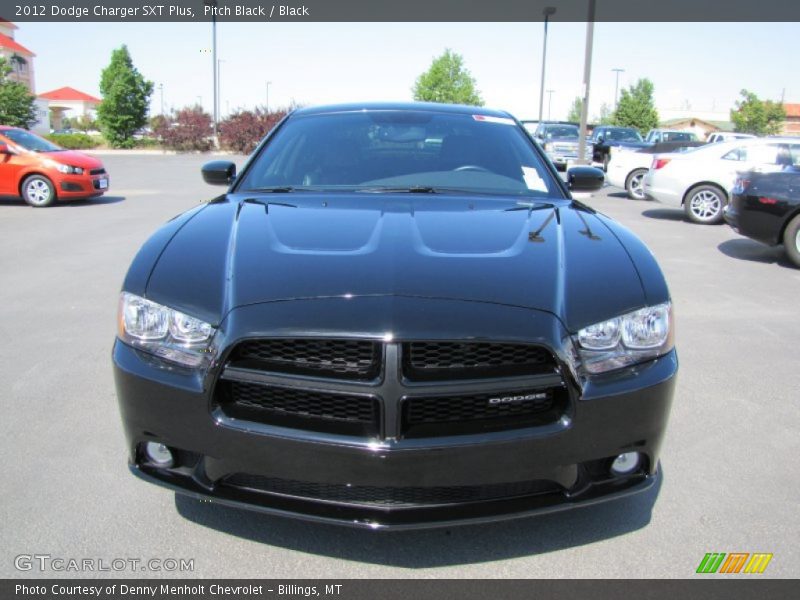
{"points": [[69, 93]]}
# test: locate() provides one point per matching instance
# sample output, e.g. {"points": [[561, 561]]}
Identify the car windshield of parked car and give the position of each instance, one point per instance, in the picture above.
{"points": [[562, 131], [623, 135], [29, 141], [400, 150]]}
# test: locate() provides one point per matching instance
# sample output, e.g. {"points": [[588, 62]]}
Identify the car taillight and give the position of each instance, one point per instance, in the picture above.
{"points": [[769, 201], [741, 183], [659, 162]]}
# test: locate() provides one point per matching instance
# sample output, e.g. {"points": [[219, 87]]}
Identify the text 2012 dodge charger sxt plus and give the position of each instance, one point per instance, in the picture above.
{"points": [[396, 316]]}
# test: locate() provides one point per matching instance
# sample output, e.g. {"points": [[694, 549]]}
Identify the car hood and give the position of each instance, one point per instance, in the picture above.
{"points": [[555, 258], [73, 158]]}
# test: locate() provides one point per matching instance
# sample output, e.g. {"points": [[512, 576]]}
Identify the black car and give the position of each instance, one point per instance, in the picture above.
{"points": [[766, 208], [606, 137], [395, 317]]}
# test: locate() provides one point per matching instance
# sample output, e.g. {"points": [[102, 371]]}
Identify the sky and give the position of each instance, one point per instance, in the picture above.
{"points": [[702, 66]]}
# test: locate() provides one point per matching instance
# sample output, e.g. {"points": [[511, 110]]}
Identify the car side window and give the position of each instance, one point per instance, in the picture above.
{"points": [[794, 152], [736, 154], [765, 154]]}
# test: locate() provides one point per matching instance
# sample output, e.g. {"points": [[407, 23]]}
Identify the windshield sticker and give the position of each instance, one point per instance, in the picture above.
{"points": [[501, 120], [533, 180]]}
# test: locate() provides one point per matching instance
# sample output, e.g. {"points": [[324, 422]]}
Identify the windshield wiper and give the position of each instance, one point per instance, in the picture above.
{"points": [[412, 189], [286, 189], [265, 203]]}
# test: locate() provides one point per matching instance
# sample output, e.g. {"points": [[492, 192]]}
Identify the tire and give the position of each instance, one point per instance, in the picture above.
{"points": [[704, 204], [38, 191], [633, 184], [791, 240]]}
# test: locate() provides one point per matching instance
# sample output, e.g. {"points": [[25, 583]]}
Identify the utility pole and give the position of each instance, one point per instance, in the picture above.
{"points": [[616, 86], [161, 91], [547, 12], [587, 76], [549, 102], [266, 106]]}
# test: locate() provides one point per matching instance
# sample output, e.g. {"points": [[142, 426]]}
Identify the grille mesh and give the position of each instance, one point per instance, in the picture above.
{"points": [[345, 359], [466, 360], [388, 496], [306, 409]]}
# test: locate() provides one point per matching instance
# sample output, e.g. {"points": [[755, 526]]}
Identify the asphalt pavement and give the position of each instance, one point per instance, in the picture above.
{"points": [[730, 483]]}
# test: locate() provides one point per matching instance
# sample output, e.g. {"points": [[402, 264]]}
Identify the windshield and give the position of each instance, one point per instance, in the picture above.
{"points": [[400, 150], [29, 141], [562, 131], [623, 135]]}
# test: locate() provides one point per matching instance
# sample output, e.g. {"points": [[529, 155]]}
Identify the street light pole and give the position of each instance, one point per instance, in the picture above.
{"points": [[218, 96], [587, 76], [266, 106], [547, 12], [616, 86], [549, 102], [161, 91]]}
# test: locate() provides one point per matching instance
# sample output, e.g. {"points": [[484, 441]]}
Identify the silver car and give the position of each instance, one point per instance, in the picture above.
{"points": [[700, 180]]}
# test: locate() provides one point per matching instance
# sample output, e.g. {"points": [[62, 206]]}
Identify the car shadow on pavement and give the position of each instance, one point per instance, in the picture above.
{"points": [[20, 203], [433, 547], [665, 214], [752, 251]]}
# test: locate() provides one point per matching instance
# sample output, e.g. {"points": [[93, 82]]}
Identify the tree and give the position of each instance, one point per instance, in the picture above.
{"points": [[83, 123], [574, 113], [606, 115], [188, 130], [17, 104], [758, 117], [636, 107], [126, 96], [447, 81]]}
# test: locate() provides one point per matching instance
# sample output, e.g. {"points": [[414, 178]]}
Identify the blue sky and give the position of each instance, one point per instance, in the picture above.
{"points": [[703, 65]]}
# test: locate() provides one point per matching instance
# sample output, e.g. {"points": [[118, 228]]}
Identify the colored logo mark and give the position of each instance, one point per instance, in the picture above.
{"points": [[734, 562]]}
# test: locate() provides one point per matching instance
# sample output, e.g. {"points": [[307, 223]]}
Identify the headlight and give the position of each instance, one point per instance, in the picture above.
{"points": [[167, 333], [547, 146], [626, 340], [68, 169]]}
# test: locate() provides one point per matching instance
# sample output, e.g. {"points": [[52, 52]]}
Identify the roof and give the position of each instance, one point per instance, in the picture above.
{"points": [[69, 93], [792, 110], [720, 125], [10, 44], [8, 23], [418, 106]]}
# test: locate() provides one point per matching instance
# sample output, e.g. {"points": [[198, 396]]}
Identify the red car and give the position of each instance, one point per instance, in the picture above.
{"points": [[40, 172]]}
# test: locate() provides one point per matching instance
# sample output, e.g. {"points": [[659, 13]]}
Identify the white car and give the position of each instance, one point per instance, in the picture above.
{"points": [[627, 168], [724, 136], [700, 179]]}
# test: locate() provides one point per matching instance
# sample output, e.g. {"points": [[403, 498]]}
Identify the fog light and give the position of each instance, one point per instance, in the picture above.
{"points": [[159, 454], [625, 464]]}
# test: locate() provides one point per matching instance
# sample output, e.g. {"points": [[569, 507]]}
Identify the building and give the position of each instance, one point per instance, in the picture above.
{"points": [[791, 126], [701, 127], [20, 59], [69, 99]]}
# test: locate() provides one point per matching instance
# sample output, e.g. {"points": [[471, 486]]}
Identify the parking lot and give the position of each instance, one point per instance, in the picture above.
{"points": [[730, 483]]}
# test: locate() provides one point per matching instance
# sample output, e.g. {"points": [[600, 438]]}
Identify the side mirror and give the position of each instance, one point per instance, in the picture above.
{"points": [[219, 172], [585, 179], [600, 139]]}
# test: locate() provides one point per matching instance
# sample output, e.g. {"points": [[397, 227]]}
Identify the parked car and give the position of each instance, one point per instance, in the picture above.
{"points": [[657, 136], [720, 136], [369, 331], [766, 208], [605, 138], [41, 172], [627, 169], [700, 180], [560, 142]]}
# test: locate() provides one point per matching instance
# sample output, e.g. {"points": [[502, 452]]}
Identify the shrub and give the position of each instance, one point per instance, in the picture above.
{"points": [[242, 131], [188, 130], [74, 141]]}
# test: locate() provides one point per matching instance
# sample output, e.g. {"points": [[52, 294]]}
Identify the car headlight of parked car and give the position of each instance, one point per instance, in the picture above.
{"points": [[62, 168], [632, 338], [169, 334]]}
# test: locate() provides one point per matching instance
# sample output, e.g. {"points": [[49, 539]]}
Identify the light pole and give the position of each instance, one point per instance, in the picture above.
{"points": [[161, 91], [587, 77], [547, 12], [200, 102], [218, 110], [213, 4], [616, 86], [266, 106], [549, 102]]}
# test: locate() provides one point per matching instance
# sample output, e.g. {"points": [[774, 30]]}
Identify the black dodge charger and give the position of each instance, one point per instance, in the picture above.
{"points": [[397, 316]]}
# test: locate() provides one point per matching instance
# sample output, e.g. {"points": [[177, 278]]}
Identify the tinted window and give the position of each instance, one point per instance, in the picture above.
{"points": [[623, 135], [561, 131], [374, 150], [29, 141], [736, 154]]}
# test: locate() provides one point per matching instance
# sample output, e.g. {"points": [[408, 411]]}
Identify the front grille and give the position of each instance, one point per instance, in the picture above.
{"points": [[97, 171], [475, 413], [387, 496], [341, 359], [347, 414], [429, 361]]}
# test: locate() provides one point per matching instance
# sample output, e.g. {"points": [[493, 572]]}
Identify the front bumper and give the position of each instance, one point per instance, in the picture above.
{"points": [[70, 187], [326, 477]]}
